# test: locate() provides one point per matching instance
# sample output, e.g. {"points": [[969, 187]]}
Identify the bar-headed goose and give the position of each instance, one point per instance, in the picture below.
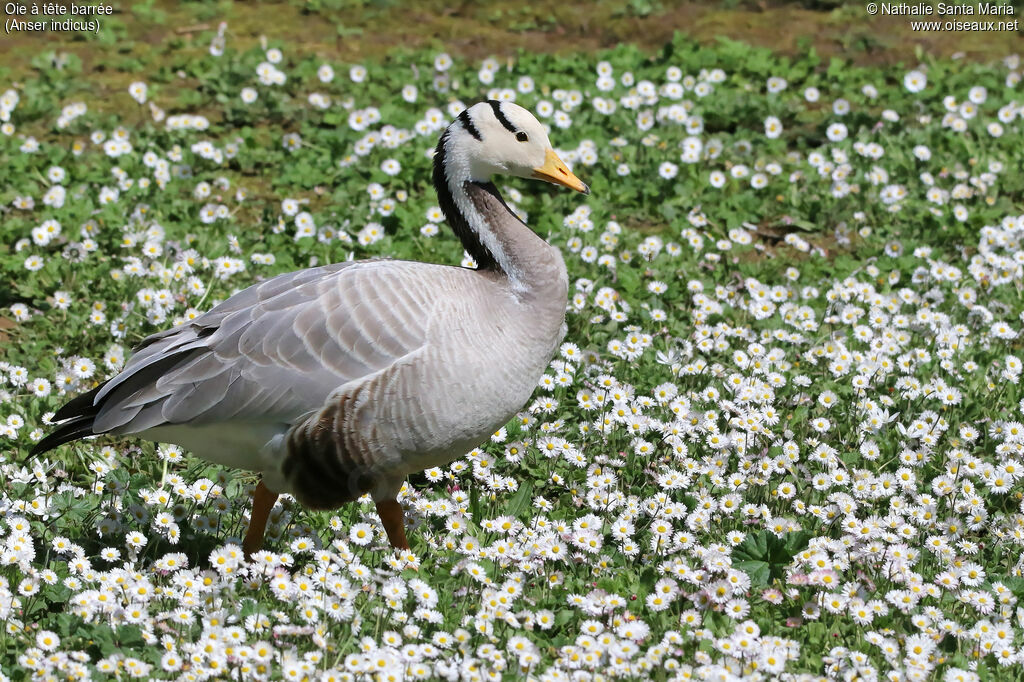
{"points": [[341, 380]]}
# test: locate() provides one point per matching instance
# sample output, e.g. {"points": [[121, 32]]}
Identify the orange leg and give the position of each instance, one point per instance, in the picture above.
{"points": [[262, 502], [393, 518]]}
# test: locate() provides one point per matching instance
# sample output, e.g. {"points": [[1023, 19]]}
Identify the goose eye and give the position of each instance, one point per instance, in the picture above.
{"points": [[521, 136]]}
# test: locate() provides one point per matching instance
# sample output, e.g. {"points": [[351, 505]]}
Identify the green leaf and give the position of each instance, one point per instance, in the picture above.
{"points": [[520, 502], [806, 225], [474, 503], [629, 279], [759, 571], [764, 557]]}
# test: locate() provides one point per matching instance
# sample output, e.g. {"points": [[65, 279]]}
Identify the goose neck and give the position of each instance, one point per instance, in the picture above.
{"points": [[490, 232]]}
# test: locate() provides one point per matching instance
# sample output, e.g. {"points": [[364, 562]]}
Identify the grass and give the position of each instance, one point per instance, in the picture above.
{"points": [[784, 436]]}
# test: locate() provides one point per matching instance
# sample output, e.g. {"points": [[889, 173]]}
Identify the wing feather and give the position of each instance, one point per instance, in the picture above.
{"points": [[197, 398], [203, 367], [277, 350]]}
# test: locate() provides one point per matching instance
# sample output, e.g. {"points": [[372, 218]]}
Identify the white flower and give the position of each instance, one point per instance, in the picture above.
{"points": [[138, 91], [40, 387], [372, 233], [319, 100], [47, 640], [442, 62], [361, 534], [56, 194], [83, 368], [776, 84], [224, 267], [305, 224], [915, 81], [836, 132]]}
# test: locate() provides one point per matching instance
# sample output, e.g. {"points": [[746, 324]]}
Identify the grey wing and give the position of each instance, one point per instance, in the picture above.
{"points": [[275, 351]]}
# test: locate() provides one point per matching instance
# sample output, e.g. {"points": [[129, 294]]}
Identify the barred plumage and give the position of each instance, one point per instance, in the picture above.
{"points": [[341, 380]]}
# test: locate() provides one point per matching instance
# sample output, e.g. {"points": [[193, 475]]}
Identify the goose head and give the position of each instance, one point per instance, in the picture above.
{"points": [[502, 138]]}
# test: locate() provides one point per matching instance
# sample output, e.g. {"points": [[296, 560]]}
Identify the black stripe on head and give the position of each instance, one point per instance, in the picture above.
{"points": [[500, 115], [467, 235], [467, 123]]}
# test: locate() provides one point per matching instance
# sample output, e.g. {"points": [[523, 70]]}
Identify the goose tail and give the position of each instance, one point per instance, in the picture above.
{"points": [[76, 419]]}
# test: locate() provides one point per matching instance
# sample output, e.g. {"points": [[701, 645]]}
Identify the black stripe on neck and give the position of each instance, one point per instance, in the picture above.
{"points": [[500, 115], [467, 123], [467, 235]]}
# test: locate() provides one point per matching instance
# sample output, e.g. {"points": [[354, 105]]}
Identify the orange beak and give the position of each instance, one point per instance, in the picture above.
{"points": [[554, 170]]}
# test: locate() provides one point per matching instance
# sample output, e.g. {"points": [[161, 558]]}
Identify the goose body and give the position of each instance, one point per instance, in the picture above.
{"points": [[343, 379]]}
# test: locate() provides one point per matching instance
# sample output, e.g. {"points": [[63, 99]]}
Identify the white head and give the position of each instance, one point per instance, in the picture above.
{"points": [[504, 138]]}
